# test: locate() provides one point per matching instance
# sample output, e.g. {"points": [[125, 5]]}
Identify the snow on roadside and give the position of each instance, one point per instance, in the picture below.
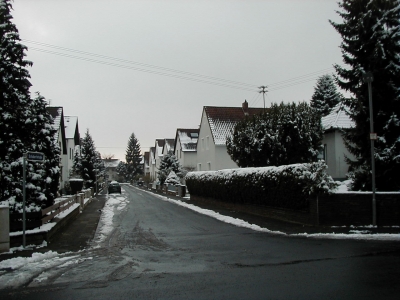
{"points": [[114, 202], [35, 266], [357, 235]]}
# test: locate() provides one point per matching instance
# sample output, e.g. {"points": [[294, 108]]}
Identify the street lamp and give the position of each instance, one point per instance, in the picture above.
{"points": [[368, 78]]}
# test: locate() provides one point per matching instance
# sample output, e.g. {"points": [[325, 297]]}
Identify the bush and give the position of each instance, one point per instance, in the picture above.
{"points": [[284, 187]]}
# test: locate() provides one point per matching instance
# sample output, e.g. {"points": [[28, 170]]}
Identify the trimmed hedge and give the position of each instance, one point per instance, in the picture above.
{"points": [[283, 187]]}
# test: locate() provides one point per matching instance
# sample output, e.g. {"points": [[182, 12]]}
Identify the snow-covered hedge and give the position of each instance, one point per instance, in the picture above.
{"points": [[285, 186]]}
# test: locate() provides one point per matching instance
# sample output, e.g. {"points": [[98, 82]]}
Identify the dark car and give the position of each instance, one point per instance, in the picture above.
{"points": [[114, 187]]}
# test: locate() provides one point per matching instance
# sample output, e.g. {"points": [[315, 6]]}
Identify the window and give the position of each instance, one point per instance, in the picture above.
{"points": [[209, 166], [202, 144], [322, 152], [208, 143], [198, 167]]}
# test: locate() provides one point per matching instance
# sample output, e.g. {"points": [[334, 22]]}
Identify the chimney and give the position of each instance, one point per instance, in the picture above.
{"points": [[245, 107]]}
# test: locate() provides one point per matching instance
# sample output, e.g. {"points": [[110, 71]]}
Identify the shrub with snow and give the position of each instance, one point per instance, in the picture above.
{"points": [[285, 186], [172, 179]]}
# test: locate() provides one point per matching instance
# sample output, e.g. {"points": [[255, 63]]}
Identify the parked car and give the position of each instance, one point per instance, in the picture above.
{"points": [[114, 187]]}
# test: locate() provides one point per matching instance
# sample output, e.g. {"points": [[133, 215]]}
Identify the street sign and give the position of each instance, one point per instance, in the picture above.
{"points": [[373, 136], [35, 156]]}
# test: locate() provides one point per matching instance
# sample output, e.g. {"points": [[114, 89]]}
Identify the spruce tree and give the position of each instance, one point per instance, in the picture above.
{"points": [[121, 170], [325, 95], [169, 163], [25, 126], [371, 42], [88, 160], [77, 163], [284, 134], [133, 158]]}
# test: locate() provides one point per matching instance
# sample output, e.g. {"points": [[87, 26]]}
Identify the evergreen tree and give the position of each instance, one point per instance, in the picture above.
{"points": [[284, 134], [133, 158], [371, 42], [25, 125], [121, 170], [172, 179], [77, 163], [88, 160], [325, 95], [169, 163]]}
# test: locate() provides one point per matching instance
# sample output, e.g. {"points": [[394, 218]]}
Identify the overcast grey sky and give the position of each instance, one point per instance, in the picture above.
{"points": [[285, 44]]}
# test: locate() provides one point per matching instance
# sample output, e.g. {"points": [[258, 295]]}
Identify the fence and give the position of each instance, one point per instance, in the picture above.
{"points": [[37, 219]]}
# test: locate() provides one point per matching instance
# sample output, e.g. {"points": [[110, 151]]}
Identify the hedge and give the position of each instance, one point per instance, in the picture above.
{"points": [[287, 186]]}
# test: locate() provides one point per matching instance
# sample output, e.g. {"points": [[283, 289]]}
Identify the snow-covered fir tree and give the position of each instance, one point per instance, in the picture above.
{"points": [[325, 95], [88, 160], [371, 42], [133, 158], [172, 179], [285, 134], [121, 170], [25, 125], [77, 163], [169, 163]]}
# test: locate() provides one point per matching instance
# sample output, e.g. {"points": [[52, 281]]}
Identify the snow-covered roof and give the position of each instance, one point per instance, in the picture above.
{"points": [[70, 126], [159, 147], [188, 138], [337, 119], [56, 113], [222, 120]]}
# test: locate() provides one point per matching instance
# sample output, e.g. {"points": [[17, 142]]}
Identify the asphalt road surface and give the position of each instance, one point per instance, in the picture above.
{"points": [[159, 250]]}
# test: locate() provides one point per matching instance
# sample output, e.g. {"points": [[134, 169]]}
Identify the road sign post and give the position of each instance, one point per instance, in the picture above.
{"points": [[30, 156]]}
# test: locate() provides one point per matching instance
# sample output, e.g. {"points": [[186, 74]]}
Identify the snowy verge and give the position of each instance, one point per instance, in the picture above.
{"points": [[356, 235]]}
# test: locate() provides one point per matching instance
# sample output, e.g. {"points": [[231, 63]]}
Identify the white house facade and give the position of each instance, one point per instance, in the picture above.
{"points": [[216, 124], [335, 150], [186, 148], [72, 139]]}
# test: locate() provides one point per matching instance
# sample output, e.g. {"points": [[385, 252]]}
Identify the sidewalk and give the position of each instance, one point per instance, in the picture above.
{"points": [[74, 236]]}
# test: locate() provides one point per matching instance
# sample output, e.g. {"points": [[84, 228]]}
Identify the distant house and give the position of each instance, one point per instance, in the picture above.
{"points": [[111, 168], [146, 163], [72, 137], [58, 116], [152, 163], [335, 150], [216, 124], [168, 146], [186, 147], [158, 155]]}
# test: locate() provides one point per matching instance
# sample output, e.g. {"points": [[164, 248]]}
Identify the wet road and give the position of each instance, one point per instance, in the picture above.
{"points": [[158, 250]]}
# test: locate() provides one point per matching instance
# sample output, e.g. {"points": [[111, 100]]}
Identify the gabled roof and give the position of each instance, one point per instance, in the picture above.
{"points": [[159, 147], [70, 123], [187, 138], [169, 145], [57, 113], [222, 120], [337, 119]]}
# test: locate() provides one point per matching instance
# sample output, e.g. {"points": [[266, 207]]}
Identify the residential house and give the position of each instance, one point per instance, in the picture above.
{"points": [[216, 124], [186, 148], [72, 139], [158, 155], [111, 169], [335, 150], [58, 116], [146, 163], [152, 163], [168, 146]]}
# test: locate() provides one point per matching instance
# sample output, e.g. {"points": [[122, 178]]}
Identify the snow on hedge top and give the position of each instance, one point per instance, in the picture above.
{"points": [[222, 120], [337, 119], [188, 138]]}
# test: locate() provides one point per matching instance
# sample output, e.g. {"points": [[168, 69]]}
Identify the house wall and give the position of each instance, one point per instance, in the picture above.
{"points": [[335, 155], [205, 147], [70, 155], [187, 159], [224, 161]]}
